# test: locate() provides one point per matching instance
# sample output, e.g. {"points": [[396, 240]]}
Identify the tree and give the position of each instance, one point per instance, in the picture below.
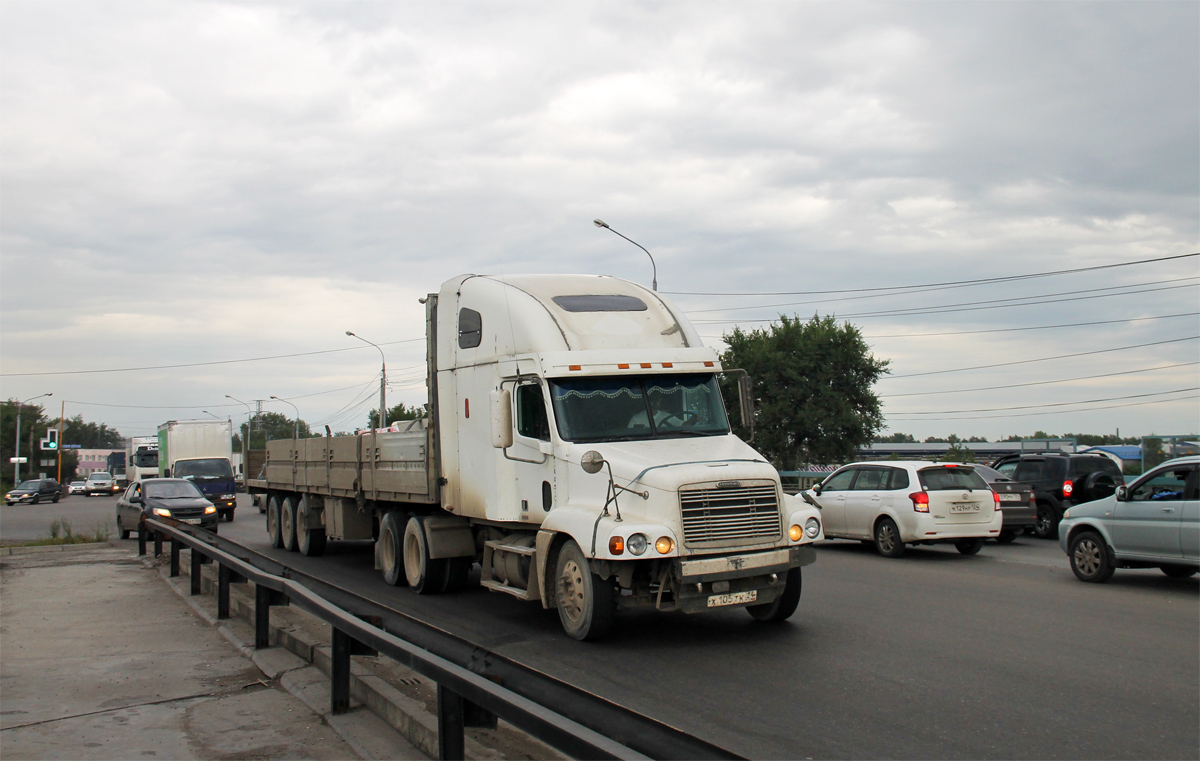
{"points": [[958, 453], [896, 438], [269, 426], [812, 389], [399, 412], [33, 427], [89, 435]]}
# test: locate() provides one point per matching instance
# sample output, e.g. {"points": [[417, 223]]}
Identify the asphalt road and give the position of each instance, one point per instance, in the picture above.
{"points": [[934, 655]]}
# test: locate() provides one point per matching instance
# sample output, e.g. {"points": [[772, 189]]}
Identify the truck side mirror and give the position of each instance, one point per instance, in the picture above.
{"points": [[746, 398], [502, 424], [167, 473]]}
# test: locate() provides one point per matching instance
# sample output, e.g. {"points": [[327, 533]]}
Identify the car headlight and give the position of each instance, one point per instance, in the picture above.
{"points": [[1067, 514], [637, 544], [812, 527], [162, 511], [210, 510]]}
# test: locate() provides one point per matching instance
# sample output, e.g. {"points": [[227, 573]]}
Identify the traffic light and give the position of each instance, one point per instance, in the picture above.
{"points": [[50, 443]]}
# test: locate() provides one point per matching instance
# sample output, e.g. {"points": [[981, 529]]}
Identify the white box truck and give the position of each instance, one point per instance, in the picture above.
{"points": [[577, 448], [201, 451]]}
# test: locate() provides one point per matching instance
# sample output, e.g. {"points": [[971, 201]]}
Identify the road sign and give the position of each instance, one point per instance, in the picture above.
{"points": [[72, 446], [19, 460]]}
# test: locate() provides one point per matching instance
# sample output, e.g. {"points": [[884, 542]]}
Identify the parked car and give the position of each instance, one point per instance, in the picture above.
{"points": [[175, 498], [1152, 523], [889, 505], [1016, 503], [100, 483], [1060, 480], [76, 487], [34, 491]]}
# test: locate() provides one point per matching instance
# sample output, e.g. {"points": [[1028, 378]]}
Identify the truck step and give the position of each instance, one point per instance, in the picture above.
{"points": [[495, 544], [514, 591]]}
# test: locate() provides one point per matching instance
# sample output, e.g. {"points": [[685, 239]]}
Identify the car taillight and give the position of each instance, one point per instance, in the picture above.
{"points": [[1068, 487], [996, 499], [920, 501]]}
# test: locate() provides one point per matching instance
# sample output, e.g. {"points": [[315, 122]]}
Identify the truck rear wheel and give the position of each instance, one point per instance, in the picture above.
{"points": [[425, 575], [784, 605], [287, 524], [391, 550], [587, 604], [310, 541], [274, 510]]}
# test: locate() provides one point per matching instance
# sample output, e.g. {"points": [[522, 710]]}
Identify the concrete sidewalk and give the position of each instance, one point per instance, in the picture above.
{"points": [[99, 661]]}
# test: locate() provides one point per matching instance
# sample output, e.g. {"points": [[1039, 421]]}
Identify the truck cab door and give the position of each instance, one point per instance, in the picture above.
{"points": [[530, 452]]}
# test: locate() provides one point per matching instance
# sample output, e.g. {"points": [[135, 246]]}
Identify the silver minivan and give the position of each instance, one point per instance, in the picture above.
{"points": [[1152, 523]]}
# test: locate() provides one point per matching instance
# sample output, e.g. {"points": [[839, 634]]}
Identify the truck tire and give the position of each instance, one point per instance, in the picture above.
{"points": [[287, 523], [425, 575], [274, 515], [784, 605], [391, 550], [310, 541], [587, 604]]}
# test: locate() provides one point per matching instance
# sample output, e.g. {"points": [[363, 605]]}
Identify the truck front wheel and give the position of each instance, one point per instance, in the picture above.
{"points": [[784, 605], [425, 575], [587, 604]]}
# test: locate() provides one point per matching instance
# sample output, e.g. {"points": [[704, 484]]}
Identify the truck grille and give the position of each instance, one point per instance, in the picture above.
{"points": [[734, 514]]}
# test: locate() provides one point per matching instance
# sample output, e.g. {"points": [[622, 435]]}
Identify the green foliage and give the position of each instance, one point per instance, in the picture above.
{"points": [[89, 435], [958, 453], [269, 426], [399, 412], [33, 428], [62, 533], [812, 389], [896, 438]]}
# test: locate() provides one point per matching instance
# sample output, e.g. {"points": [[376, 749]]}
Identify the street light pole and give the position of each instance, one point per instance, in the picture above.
{"points": [[17, 446], [654, 276], [246, 438], [206, 412], [382, 381], [296, 430]]}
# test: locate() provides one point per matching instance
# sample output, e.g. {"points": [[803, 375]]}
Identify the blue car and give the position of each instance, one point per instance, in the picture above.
{"points": [[1152, 523]]}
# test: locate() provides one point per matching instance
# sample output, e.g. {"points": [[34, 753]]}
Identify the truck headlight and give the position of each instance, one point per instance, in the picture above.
{"points": [[664, 545], [795, 533], [812, 527], [228, 496], [637, 544]]}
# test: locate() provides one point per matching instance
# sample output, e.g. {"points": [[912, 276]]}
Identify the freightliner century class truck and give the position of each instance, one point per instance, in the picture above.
{"points": [[576, 447]]}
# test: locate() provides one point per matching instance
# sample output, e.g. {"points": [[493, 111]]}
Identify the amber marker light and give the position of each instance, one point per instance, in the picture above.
{"points": [[664, 545], [616, 545], [795, 533]]}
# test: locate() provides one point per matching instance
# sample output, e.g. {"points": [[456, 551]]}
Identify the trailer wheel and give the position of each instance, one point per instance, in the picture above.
{"points": [[391, 552], [274, 510], [586, 603], [425, 575], [310, 541], [287, 523]]}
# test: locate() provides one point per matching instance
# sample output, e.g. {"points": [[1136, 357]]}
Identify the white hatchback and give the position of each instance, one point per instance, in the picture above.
{"points": [[890, 504]]}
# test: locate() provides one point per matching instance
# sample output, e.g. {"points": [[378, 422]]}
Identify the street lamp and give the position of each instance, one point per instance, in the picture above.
{"points": [[382, 381], [654, 277], [206, 412], [296, 432], [17, 446], [246, 438]]}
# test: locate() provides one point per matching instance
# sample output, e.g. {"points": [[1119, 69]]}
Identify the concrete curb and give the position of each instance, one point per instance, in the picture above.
{"points": [[79, 547], [393, 695]]}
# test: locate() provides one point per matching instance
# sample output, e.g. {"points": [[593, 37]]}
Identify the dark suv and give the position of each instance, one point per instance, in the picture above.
{"points": [[34, 491], [1059, 480]]}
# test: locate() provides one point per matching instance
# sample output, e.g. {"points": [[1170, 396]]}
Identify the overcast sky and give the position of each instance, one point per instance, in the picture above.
{"points": [[198, 182]]}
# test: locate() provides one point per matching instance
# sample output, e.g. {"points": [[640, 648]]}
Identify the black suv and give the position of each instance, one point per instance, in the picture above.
{"points": [[34, 491], [1059, 480]]}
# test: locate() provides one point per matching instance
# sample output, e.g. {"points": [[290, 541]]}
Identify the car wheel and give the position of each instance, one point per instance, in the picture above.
{"points": [[1179, 571], [35, 500], [1089, 558], [56, 498], [968, 546], [124, 532], [783, 606], [587, 604], [425, 575], [1007, 537], [1045, 525], [391, 549], [887, 539]]}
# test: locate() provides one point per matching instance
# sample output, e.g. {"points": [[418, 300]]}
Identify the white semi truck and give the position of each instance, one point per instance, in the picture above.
{"points": [[576, 447], [201, 451], [141, 458]]}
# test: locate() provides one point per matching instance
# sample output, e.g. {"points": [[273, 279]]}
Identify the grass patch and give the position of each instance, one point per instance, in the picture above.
{"points": [[62, 533]]}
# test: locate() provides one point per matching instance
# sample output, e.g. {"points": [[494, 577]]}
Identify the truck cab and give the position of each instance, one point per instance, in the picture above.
{"points": [[213, 476]]}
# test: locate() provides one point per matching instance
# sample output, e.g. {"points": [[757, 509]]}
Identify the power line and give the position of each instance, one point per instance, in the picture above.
{"points": [[1047, 412], [1032, 327], [980, 281], [1042, 359], [1054, 404], [1039, 383]]}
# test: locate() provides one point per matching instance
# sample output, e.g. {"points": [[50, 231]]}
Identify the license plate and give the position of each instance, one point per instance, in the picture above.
{"points": [[964, 507], [1010, 497], [737, 598], [191, 520]]}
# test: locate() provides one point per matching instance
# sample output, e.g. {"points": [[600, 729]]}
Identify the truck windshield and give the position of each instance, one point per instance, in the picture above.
{"points": [[203, 470], [146, 458], [645, 407]]}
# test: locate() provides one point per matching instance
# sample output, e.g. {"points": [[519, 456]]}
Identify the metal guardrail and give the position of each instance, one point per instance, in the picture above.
{"points": [[461, 692]]}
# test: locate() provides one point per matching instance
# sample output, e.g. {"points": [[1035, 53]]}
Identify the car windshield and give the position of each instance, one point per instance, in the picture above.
{"points": [[645, 407], [77, 483], [99, 477], [170, 489], [203, 469], [948, 479], [29, 484]]}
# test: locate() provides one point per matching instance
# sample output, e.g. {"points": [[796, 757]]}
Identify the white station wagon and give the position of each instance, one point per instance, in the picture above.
{"points": [[890, 504]]}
